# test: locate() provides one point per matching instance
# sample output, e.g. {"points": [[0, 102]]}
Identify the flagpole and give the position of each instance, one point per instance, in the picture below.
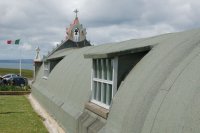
{"points": [[20, 65], [20, 62]]}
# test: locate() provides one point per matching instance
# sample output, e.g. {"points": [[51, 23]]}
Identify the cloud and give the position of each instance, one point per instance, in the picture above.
{"points": [[43, 22], [54, 44], [25, 47], [116, 33]]}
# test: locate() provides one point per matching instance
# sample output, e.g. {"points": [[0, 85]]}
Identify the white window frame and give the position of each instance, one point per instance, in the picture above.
{"points": [[112, 82], [46, 68]]}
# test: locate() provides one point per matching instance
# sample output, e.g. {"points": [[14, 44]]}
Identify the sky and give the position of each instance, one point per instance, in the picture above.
{"points": [[43, 23]]}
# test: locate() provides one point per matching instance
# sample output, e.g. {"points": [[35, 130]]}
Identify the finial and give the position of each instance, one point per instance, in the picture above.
{"points": [[37, 49], [37, 57], [76, 11]]}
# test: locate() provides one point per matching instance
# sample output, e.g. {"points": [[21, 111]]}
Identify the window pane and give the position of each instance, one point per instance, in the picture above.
{"points": [[108, 70], [100, 68], [95, 68], [94, 90], [109, 66], [111, 69], [98, 91], [104, 97], [97, 65], [105, 69], [108, 94], [103, 92]]}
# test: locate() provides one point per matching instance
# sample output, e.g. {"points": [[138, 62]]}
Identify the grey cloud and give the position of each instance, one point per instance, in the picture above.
{"points": [[43, 22], [108, 12]]}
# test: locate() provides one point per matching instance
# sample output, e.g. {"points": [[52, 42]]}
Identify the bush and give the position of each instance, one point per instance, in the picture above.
{"points": [[14, 88]]}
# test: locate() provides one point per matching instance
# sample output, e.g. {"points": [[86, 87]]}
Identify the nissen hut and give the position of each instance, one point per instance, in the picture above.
{"points": [[149, 85]]}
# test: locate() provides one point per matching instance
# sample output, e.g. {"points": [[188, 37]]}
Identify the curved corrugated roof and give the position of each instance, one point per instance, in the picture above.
{"points": [[67, 88], [125, 47], [159, 95], [61, 53]]}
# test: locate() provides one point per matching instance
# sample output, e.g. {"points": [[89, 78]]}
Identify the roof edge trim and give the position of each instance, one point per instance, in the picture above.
{"points": [[118, 53]]}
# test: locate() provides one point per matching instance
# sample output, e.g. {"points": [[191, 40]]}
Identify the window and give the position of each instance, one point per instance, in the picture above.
{"points": [[104, 81], [46, 69], [76, 35], [53, 63], [109, 73]]}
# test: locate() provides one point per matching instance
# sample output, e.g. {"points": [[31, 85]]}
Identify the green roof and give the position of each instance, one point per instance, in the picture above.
{"points": [[61, 53], [161, 94]]}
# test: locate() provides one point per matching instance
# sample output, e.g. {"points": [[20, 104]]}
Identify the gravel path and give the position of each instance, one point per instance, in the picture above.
{"points": [[49, 122]]}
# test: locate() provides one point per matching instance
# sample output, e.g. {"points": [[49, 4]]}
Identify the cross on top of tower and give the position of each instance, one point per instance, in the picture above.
{"points": [[76, 11], [37, 49], [37, 57]]}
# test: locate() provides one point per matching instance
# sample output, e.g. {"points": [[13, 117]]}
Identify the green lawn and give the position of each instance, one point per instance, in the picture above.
{"points": [[25, 73], [17, 116]]}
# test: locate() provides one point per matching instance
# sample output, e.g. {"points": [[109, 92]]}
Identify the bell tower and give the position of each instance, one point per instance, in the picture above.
{"points": [[37, 62], [76, 32], [75, 36]]}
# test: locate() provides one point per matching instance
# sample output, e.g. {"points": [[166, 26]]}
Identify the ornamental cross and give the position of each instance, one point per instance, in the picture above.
{"points": [[76, 11], [38, 49], [37, 57]]}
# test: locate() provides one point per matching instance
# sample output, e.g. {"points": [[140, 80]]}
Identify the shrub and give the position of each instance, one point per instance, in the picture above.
{"points": [[14, 88]]}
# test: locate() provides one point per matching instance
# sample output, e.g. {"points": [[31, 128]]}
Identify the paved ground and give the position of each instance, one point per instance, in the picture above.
{"points": [[49, 122]]}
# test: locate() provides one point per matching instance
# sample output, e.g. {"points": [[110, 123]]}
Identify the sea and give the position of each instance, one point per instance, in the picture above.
{"points": [[15, 64]]}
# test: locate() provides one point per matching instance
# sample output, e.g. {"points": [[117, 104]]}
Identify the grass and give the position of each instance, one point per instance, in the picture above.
{"points": [[17, 116], [25, 73]]}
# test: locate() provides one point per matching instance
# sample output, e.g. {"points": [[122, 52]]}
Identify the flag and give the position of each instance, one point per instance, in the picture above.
{"points": [[17, 42], [9, 41]]}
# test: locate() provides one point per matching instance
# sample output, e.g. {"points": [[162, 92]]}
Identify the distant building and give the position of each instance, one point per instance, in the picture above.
{"points": [[148, 85]]}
